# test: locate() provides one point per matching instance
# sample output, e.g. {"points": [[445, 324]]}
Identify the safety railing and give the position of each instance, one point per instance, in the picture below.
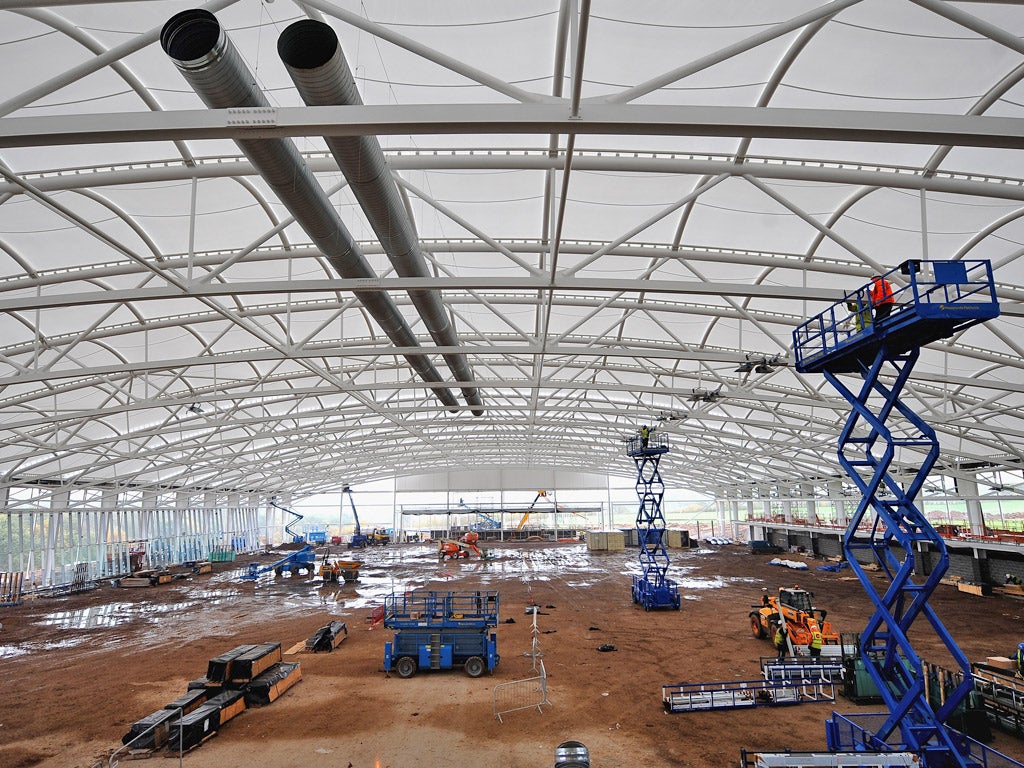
{"points": [[448, 609], [930, 290], [737, 694], [855, 732], [518, 695]]}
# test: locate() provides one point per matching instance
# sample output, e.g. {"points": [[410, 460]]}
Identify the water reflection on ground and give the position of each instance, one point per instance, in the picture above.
{"points": [[214, 603]]}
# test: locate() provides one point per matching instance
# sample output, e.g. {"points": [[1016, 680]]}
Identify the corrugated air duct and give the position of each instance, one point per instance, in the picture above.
{"points": [[312, 54], [201, 50]]}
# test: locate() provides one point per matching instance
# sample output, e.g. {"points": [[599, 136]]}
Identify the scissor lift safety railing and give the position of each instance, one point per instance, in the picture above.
{"points": [[740, 694], [652, 588], [801, 669], [470, 609], [933, 300], [1002, 695]]}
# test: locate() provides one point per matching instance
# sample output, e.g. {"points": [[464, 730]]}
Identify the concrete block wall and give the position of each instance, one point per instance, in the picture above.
{"points": [[998, 564], [801, 539], [829, 546], [990, 568], [963, 563]]}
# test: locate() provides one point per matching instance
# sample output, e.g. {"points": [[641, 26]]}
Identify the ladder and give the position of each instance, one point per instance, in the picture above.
{"points": [[435, 651]]}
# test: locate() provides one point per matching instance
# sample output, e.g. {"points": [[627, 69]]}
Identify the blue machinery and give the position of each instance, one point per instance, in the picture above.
{"points": [[297, 538], [300, 560], [441, 630], [933, 300], [651, 589]]}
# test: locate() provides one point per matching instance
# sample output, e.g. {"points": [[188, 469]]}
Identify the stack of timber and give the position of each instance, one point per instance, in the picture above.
{"points": [[246, 676], [148, 577], [1010, 590]]}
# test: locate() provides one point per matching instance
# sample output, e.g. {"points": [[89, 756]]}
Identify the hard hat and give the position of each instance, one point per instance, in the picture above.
{"points": [[1020, 647]]}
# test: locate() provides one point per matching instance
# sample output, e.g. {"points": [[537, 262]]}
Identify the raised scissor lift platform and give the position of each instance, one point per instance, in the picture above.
{"points": [[933, 300]]}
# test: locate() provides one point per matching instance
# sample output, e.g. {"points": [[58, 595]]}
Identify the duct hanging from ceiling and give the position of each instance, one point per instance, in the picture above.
{"points": [[313, 57], [201, 50]]}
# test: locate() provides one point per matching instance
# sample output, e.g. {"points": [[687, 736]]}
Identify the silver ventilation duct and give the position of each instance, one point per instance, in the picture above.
{"points": [[312, 54], [201, 50]]}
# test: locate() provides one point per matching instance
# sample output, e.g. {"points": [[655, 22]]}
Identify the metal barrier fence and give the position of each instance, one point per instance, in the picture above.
{"points": [[521, 694]]}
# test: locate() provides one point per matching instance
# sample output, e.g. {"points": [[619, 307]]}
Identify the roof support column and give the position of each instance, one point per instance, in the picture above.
{"points": [[810, 503], [835, 492], [967, 489]]}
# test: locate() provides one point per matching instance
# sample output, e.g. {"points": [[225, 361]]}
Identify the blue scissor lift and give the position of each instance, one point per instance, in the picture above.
{"points": [[652, 589], [933, 300]]}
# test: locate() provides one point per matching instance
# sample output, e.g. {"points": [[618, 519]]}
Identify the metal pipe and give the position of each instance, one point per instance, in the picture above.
{"points": [[313, 57], [200, 48]]}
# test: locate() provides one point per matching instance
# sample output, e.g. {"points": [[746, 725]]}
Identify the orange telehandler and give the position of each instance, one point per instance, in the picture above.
{"points": [[793, 605]]}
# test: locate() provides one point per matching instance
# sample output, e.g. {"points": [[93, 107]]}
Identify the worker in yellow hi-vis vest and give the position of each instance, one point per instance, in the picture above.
{"points": [[780, 642], [816, 642]]}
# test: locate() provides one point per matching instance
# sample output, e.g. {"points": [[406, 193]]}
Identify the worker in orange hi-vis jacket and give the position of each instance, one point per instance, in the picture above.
{"points": [[881, 297]]}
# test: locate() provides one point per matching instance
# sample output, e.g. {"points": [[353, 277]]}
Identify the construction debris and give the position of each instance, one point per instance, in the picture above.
{"points": [[327, 638]]}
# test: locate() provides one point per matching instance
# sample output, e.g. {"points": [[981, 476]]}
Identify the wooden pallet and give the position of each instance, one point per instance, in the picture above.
{"points": [[982, 590]]}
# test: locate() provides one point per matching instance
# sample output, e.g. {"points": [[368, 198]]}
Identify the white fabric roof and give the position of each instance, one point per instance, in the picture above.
{"points": [[619, 202]]}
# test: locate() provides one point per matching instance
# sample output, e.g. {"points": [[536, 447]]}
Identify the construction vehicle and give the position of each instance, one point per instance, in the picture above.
{"points": [[793, 606], [526, 516], [301, 560], [297, 538], [359, 539], [441, 630], [340, 570], [452, 550], [379, 538]]}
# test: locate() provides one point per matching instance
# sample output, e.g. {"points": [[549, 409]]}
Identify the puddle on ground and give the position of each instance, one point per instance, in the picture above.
{"points": [[112, 614], [10, 651], [385, 571], [399, 569]]}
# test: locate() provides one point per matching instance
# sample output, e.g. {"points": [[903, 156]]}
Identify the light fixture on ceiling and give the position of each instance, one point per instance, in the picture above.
{"points": [[760, 364], [195, 409], [705, 395], [670, 416]]}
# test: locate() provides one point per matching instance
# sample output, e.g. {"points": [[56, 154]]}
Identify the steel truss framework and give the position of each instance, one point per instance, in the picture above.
{"points": [[624, 216], [47, 545]]}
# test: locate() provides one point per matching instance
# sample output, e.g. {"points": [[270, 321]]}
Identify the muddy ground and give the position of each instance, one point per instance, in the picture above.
{"points": [[78, 670]]}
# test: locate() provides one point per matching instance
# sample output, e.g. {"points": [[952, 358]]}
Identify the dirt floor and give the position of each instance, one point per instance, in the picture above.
{"points": [[78, 670]]}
